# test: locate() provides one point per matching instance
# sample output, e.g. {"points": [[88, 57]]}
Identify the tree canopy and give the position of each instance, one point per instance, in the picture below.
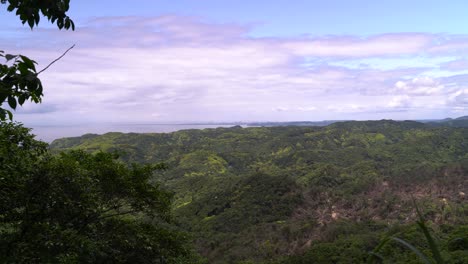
{"points": [[80, 208], [325, 194]]}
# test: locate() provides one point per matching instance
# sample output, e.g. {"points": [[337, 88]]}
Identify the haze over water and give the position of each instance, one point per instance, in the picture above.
{"points": [[50, 133]]}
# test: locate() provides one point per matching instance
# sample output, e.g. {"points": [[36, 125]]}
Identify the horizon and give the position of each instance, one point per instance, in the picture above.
{"points": [[49, 133], [188, 62], [221, 122]]}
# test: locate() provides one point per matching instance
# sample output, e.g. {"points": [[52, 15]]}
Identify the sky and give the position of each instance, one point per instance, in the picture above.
{"points": [[154, 61]]}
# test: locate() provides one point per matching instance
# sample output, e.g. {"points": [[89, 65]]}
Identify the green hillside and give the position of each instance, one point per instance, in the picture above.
{"points": [[449, 122], [298, 194]]}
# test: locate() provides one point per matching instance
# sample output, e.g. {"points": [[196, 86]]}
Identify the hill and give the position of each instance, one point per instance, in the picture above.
{"points": [[449, 122], [299, 194]]}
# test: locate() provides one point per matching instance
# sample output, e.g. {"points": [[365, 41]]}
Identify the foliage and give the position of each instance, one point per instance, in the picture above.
{"points": [[18, 83], [30, 11], [19, 79], [80, 208], [317, 193], [422, 225]]}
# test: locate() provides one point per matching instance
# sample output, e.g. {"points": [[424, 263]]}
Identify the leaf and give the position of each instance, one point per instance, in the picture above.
{"points": [[3, 97], [10, 114], [23, 68], [31, 22], [423, 257], [60, 23], [39, 87], [12, 102], [375, 255], [432, 244], [2, 114], [31, 77], [21, 99], [434, 249], [9, 57], [28, 62]]}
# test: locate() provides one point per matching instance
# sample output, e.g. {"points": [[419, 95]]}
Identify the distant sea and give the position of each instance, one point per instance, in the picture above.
{"points": [[50, 133]]}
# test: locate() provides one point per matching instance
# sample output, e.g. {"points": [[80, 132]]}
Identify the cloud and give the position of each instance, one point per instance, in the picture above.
{"points": [[281, 109], [178, 68], [419, 86], [449, 45], [459, 99], [402, 101], [455, 65], [307, 108], [380, 45], [347, 108]]}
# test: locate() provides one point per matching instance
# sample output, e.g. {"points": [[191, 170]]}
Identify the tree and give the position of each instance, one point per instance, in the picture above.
{"points": [[19, 79], [80, 208]]}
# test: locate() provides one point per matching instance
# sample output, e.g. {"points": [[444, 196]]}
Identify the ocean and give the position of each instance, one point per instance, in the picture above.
{"points": [[50, 133]]}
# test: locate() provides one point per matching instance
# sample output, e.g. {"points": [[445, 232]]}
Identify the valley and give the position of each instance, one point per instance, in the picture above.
{"points": [[301, 194]]}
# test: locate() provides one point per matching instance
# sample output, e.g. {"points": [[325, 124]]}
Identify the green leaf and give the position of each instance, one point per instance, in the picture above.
{"points": [[433, 246], [39, 88], [373, 254], [21, 99], [9, 57], [421, 255], [60, 23], [23, 68], [2, 114], [3, 97], [10, 114], [31, 22], [28, 62], [12, 102]]}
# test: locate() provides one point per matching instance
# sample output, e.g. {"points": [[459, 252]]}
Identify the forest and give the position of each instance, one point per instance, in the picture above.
{"points": [[296, 194]]}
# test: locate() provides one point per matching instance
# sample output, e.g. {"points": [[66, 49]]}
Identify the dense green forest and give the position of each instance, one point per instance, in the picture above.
{"points": [[78, 207], [298, 194]]}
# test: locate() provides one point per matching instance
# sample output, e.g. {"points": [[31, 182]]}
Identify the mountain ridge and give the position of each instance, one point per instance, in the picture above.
{"points": [[259, 193]]}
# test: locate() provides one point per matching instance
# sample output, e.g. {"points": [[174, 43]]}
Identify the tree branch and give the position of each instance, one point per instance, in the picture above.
{"points": [[50, 64]]}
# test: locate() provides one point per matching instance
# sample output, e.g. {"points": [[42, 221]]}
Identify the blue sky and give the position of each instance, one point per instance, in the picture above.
{"points": [[205, 60], [293, 18]]}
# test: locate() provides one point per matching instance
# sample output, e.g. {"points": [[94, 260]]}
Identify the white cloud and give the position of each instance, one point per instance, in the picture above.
{"points": [[381, 45], [307, 109], [281, 109], [172, 68], [458, 99], [402, 101], [347, 108], [419, 86], [455, 65]]}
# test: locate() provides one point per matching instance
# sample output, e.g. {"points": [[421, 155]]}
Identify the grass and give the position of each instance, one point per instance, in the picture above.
{"points": [[435, 258]]}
